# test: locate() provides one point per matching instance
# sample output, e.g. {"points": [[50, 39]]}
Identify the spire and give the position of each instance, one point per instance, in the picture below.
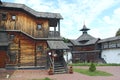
{"points": [[84, 29]]}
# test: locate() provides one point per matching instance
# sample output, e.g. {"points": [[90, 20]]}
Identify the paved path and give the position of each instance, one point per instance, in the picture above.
{"points": [[37, 74]]}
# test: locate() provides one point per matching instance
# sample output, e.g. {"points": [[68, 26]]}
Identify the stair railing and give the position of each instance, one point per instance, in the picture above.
{"points": [[65, 64], [51, 62]]}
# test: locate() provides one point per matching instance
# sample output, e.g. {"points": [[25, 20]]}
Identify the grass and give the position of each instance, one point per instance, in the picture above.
{"points": [[88, 64], [95, 73], [43, 79]]}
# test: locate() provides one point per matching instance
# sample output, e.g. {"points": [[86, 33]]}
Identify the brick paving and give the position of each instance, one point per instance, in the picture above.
{"points": [[38, 74]]}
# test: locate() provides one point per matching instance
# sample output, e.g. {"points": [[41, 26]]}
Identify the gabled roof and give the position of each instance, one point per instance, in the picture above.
{"points": [[31, 11], [109, 39]]}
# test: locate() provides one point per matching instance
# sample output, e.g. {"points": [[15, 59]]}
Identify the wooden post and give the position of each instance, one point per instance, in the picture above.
{"points": [[59, 27], [35, 54], [19, 54]]}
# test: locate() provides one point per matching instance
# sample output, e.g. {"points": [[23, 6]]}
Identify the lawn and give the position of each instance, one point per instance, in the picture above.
{"points": [[43, 79], [88, 64], [95, 73]]}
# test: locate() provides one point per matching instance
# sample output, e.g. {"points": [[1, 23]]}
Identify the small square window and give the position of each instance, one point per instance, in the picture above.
{"points": [[4, 16], [13, 17], [12, 37], [39, 48], [39, 27]]}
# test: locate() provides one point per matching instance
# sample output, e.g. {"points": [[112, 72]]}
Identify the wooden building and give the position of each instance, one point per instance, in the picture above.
{"points": [[28, 36], [85, 48]]}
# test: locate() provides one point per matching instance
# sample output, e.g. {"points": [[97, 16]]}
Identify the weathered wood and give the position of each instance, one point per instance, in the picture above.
{"points": [[26, 23]]}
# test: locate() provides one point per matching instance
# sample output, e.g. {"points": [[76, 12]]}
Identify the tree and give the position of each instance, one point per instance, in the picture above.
{"points": [[65, 40], [118, 32], [92, 67]]}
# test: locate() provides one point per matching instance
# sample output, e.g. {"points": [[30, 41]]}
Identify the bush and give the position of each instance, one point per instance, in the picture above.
{"points": [[92, 67]]}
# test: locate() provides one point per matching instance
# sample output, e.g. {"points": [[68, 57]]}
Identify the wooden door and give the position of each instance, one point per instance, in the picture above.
{"points": [[2, 59]]}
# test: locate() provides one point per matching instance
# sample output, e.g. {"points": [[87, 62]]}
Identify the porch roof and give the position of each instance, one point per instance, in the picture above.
{"points": [[54, 45]]}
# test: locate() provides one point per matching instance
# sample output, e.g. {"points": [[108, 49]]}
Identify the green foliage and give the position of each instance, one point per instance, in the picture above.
{"points": [[65, 40], [92, 67], [118, 33], [95, 73]]}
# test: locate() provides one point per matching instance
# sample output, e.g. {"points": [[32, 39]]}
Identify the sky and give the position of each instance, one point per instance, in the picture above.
{"points": [[102, 17]]}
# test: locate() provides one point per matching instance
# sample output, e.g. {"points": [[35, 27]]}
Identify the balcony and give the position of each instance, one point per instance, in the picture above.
{"points": [[53, 34]]}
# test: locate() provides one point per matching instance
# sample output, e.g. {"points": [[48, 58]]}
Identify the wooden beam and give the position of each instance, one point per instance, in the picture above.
{"points": [[19, 53], [35, 52]]}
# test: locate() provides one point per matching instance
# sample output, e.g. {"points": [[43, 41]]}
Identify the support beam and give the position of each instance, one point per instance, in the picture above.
{"points": [[19, 51], [59, 26], [35, 54]]}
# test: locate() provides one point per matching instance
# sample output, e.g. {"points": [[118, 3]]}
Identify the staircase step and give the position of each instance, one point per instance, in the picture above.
{"points": [[60, 72]]}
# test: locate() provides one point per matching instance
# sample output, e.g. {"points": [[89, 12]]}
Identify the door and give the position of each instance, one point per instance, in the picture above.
{"points": [[2, 59]]}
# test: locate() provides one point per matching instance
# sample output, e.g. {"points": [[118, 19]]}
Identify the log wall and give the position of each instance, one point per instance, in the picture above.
{"points": [[26, 50], [26, 23]]}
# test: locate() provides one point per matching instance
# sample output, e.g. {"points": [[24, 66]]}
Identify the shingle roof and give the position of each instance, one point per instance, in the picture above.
{"points": [[77, 43], [85, 36], [57, 45], [109, 39], [31, 11]]}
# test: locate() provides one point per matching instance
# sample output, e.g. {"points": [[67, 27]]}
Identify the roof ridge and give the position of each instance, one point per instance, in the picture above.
{"points": [[32, 11]]}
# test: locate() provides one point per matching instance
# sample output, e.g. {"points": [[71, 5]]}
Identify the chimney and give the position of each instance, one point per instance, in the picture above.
{"points": [[0, 2]]}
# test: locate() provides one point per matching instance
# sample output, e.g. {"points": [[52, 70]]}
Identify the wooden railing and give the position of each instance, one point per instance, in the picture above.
{"points": [[64, 64], [50, 62]]}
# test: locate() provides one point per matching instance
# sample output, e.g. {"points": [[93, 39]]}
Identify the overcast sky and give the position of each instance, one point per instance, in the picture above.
{"points": [[101, 16]]}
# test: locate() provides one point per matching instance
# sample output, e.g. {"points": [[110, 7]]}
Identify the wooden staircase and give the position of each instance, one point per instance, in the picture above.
{"points": [[59, 68]]}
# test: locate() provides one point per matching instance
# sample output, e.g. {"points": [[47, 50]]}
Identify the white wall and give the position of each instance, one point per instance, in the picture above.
{"points": [[111, 55], [69, 56]]}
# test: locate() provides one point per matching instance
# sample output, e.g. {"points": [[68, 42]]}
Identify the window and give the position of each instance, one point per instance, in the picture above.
{"points": [[12, 37], [4, 16], [39, 48], [39, 27], [13, 17]]}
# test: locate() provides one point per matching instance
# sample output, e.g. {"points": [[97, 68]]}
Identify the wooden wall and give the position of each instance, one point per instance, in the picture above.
{"points": [[26, 23], [25, 49], [85, 48]]}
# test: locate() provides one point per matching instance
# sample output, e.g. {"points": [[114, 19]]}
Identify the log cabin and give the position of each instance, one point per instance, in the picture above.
{"points": [[26, 40], [85, 48]]}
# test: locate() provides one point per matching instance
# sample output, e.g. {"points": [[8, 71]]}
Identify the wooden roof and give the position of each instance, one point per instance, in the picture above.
{"points": [[31, 11], [55, 45], [109, 39], [90, 42]]}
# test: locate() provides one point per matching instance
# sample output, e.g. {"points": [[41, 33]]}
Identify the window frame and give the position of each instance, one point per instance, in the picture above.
{"points": [[13, 17], [39, 26], [39, 48], [4, 16]]}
